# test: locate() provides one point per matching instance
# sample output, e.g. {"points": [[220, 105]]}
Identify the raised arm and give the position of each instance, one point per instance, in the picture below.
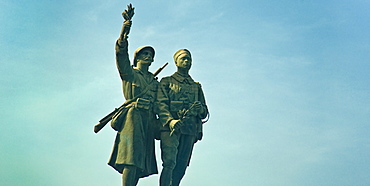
{"points": [[122, 57]]}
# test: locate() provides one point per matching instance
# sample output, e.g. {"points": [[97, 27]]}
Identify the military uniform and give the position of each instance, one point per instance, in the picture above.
{"points": [[175, 96], [134, 144]]}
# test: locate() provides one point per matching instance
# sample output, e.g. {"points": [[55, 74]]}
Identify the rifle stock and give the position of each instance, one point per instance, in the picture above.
{"points": [[104, 121]]}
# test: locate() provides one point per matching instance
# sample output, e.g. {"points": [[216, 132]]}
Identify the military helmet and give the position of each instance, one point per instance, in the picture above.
{"points": [[139, 50]]}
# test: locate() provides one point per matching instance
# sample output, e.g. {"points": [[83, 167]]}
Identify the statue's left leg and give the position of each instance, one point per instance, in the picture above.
{"points": [[183, 158], [129, 176], [169, 144]]}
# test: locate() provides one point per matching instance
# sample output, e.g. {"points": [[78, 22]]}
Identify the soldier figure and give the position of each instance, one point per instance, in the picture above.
{"points": [[181, 108], [133, 152]]}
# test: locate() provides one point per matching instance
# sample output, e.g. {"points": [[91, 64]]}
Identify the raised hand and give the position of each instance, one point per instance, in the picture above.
{"points": [[129, 13]]}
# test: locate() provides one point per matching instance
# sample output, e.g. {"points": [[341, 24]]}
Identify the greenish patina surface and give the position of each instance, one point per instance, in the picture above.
{"points": [[133, 151], [181, 108], [172, 111]]}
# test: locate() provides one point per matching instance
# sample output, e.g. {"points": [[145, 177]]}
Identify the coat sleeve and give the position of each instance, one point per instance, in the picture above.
{"points": [[204, 112], [163, 102], [122, 60]]}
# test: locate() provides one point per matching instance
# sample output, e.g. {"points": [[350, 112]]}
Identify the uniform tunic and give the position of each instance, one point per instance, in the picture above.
{"points": [[177, 93], [134, 144]]}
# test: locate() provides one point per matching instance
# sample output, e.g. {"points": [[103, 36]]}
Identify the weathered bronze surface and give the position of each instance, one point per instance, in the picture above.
{"points": [[181, 108], [171, 111], [133, 151]]}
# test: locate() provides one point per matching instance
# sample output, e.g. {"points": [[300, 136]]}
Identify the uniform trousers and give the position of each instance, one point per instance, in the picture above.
{"points": [[176, 150]]}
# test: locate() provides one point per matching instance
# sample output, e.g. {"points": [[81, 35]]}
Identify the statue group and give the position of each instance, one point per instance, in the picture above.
{"points": [[171, 111]]}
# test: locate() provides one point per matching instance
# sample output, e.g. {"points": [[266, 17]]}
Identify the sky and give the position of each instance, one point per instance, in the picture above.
{"points": [[286, 83]]}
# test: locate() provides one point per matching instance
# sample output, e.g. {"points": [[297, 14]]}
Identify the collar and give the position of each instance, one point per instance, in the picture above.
{"points": [[148, 76], [182, 78]]}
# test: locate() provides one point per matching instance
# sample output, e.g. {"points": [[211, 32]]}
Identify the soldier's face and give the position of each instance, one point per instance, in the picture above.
{"points": [[184, 61], [145, 56]]}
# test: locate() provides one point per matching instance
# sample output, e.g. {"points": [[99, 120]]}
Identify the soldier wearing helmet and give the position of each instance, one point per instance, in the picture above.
{"points": [[133, 152]]}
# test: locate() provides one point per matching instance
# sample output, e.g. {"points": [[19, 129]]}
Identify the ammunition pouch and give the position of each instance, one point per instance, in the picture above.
{"points": [[119, 117], [176, 106], [142, 103]]}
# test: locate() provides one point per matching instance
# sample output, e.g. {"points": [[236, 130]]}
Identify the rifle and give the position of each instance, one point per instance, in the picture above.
{"points": [[159, 70], [108, 117]]}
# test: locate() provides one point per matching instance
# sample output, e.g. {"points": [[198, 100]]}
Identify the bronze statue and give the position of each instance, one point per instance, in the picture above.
{"points": [[133, 151], [181, 108]]}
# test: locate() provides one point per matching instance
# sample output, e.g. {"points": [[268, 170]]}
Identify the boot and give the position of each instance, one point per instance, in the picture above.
{"points": [[166, 177]]}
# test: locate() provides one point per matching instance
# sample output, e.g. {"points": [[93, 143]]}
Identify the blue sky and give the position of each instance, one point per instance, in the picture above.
{"points": [[286, 82]]}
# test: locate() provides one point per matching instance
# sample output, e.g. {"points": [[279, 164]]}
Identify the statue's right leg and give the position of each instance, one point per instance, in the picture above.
{"points": [[129, 176], [169, 146], [185, 150]]}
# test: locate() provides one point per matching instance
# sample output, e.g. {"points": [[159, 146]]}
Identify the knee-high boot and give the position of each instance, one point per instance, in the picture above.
{"points": [[179, 172], [166, 177]]}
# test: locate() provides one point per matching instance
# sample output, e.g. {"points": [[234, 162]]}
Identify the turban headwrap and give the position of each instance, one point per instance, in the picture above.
{"points": [[179, 52]]}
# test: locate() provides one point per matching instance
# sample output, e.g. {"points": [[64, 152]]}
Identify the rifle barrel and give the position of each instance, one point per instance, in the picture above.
{"points": [[160, 69]]}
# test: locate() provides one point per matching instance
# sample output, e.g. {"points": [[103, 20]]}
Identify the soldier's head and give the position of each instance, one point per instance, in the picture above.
{"points": [[183, 59], [144, 54]]}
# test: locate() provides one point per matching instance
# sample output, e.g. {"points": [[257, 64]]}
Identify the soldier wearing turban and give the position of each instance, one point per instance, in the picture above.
{"points": [[181, 108]]}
